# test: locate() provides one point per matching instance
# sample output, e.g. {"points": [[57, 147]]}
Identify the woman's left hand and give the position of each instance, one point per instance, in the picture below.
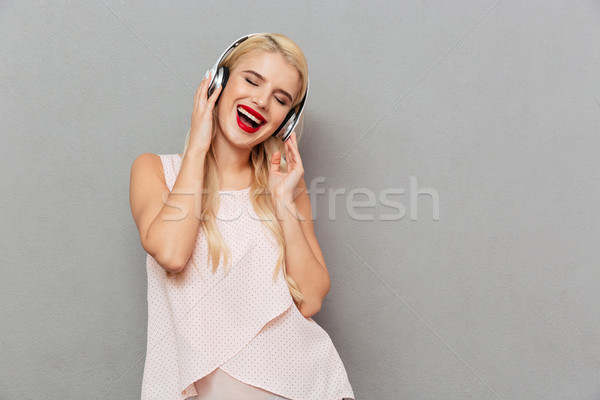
{"points": [[282, 185]]}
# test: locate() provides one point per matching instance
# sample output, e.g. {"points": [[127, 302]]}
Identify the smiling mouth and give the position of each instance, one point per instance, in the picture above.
{"points": [[248, 119]]}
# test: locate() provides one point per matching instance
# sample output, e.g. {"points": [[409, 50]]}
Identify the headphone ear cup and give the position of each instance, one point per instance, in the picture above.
{"points": [[285, 126], [221, 77], [287, 129], [224, 78]]}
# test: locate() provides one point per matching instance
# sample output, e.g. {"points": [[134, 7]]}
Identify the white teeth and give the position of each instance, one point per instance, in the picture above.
{"points": [[247, 114]]}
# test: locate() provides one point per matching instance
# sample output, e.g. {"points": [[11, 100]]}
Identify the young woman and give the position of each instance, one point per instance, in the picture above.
{"points": [[235, 271]]}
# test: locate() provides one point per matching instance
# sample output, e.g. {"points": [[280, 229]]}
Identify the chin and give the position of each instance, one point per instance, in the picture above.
{"points": [[239, 135]]}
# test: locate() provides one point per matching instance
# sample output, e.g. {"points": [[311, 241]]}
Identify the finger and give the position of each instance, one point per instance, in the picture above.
{"points": [[292, 140], [204, 91], [275, 161], [197, 97], [199, 90], [213, 98], [289, 155], [292, 145], [295, 153]]}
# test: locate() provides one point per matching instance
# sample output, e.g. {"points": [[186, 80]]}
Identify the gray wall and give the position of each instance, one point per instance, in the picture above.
{"points": [[492, 106]]}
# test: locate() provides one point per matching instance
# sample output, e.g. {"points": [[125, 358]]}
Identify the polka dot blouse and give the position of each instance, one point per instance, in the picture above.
{"points": [[243, 323]]}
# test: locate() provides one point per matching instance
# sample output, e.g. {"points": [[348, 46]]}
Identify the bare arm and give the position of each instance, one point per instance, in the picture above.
{"points": [[168, 229], [304, 258], [168, 222]]}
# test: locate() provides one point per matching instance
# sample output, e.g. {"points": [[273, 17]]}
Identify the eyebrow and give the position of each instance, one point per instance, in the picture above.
{"points": [[261, 77]]}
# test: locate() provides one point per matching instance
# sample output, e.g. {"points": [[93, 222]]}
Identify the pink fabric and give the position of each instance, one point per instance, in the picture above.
{"points": [[243, 322], [219, 385]]}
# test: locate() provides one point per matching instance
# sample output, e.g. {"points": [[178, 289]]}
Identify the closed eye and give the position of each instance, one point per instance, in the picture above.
{"points": [[283, 103]]}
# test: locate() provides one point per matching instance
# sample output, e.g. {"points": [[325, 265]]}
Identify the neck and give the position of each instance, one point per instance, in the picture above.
{"points": [[233, 162]]}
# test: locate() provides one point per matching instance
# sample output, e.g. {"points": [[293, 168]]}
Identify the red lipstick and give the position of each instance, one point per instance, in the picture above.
{"points": [[255, 114]]}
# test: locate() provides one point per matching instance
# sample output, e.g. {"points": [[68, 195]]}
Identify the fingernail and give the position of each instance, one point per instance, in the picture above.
{"points": [[206, 74]]}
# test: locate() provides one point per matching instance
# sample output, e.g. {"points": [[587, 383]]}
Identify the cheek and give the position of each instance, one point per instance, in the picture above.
{"points": [[280, 117], [222, 108]]}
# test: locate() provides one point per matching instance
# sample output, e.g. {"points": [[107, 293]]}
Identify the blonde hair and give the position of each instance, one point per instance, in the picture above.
{"points": [[260, 162]]}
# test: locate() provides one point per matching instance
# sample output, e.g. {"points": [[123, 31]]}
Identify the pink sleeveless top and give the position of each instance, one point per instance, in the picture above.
{"points": [[209, 329]]}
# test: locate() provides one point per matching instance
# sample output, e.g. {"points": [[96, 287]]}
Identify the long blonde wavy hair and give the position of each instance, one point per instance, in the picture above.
{"points": [[260, 162]]}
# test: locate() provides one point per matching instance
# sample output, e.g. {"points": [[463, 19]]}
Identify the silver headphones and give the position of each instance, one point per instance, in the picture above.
{"points": [[220, 74]]}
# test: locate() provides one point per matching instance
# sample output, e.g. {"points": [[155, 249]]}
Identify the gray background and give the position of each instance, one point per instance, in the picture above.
{"points": [[492, 105]]}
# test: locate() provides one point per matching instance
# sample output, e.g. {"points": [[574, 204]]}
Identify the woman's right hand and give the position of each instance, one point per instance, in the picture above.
{"points": [[202, 116]]}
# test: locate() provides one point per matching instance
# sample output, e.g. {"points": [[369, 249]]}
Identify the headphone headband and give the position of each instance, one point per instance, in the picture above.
{"points": [[226, 53], [219, 77]]}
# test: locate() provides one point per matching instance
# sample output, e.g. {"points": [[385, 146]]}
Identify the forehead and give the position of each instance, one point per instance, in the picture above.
{"points": [[274, 68]]}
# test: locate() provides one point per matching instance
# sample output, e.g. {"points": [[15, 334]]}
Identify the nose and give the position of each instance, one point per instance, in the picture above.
{"points": [[259, 97]]}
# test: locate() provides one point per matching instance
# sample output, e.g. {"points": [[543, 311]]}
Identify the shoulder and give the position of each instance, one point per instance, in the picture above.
{"points": [[147, 158], [147, 164]]}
